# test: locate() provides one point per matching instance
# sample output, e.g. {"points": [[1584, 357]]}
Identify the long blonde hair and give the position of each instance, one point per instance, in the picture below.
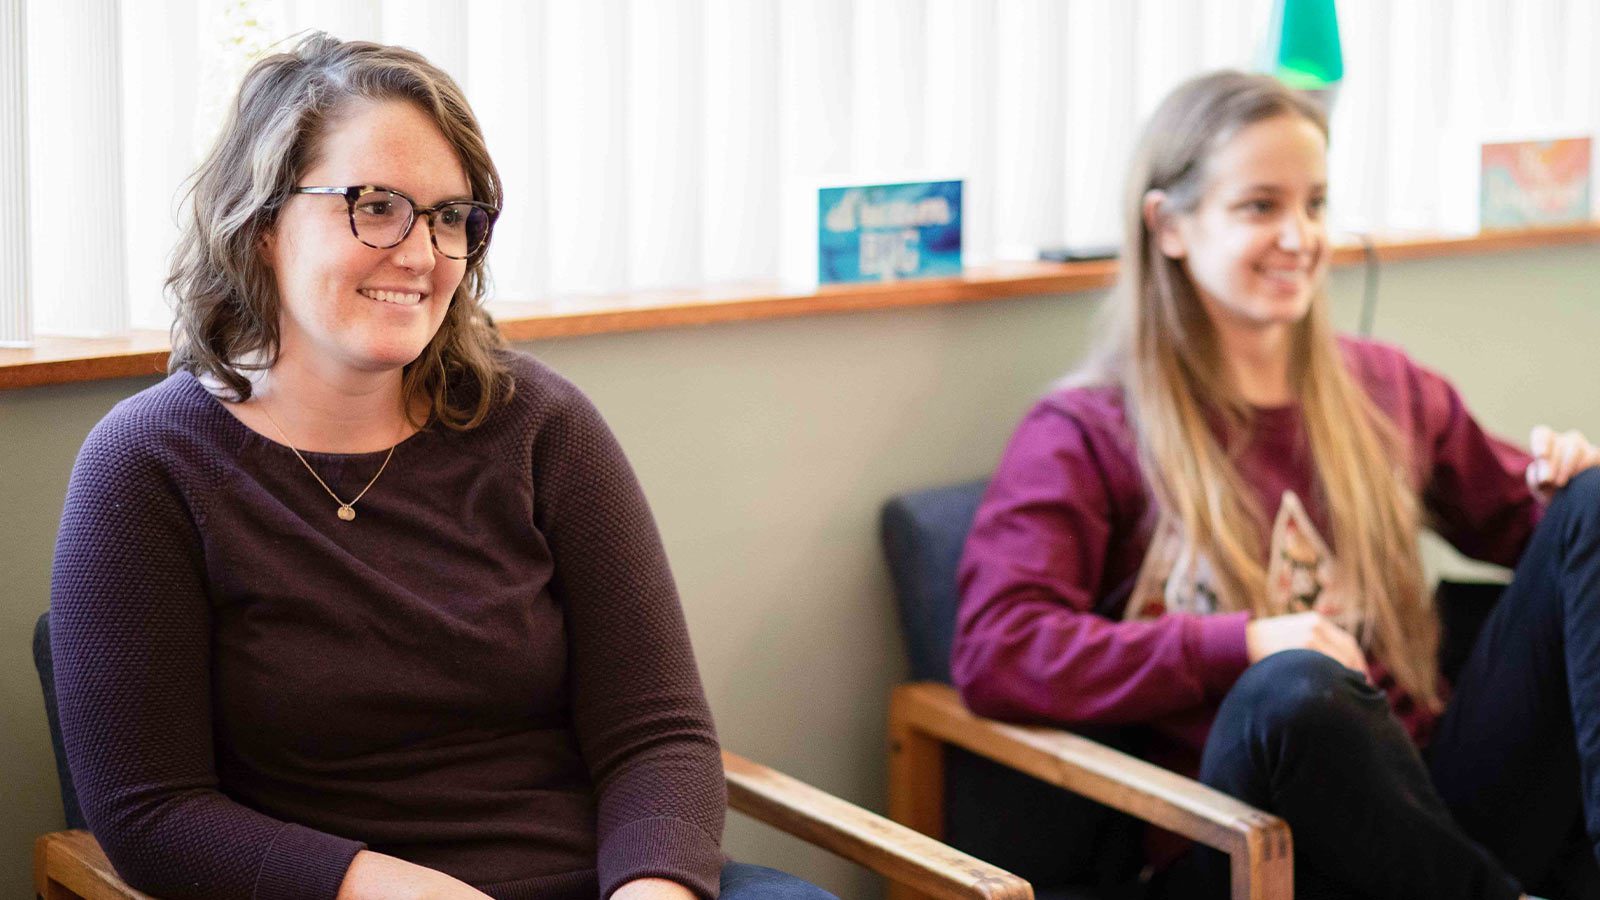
{"points": [[1164, 353]]}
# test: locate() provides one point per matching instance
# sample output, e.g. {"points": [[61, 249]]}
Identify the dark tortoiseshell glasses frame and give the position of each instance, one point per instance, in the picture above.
{"points": [[353, 194]]}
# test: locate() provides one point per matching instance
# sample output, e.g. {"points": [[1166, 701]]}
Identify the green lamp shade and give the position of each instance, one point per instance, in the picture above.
{"points": [[1302, 46]]}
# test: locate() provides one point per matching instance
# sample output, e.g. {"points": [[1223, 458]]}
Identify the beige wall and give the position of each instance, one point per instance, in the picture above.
{"points": [[766, 449]]}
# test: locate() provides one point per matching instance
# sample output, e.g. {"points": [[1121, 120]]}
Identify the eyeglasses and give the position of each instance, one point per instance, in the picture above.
{"points": [[382, 217]]}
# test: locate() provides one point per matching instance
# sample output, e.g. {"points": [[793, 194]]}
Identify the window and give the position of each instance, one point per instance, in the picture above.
{"points": [[647, 143]]}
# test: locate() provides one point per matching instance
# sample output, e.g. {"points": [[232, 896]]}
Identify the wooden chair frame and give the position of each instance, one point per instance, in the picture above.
{"points": [[69, 865], [926, 716]]}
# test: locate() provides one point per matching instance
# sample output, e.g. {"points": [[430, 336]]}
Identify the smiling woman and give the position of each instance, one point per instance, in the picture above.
{"points": [[1211, 531], [1256, 245], [348, 307], [481, 684], [258, 245]]}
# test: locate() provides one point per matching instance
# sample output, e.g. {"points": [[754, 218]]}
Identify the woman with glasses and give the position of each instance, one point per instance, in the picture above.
{"points": [[358, 603], [1211, 532]]}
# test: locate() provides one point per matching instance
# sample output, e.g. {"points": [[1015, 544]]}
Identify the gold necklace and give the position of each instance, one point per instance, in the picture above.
{"points": [[347, 511]]}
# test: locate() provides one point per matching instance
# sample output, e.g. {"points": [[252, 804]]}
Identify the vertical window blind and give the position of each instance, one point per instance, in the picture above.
{"points": [[648, 143]]}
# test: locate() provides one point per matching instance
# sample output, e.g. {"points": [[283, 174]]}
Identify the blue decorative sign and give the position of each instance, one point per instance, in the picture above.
{"points": [[884, 232]]}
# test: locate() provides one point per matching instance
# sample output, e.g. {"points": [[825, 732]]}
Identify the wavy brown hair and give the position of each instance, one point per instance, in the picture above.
{"points": [[223, 291], [1164, 352]]}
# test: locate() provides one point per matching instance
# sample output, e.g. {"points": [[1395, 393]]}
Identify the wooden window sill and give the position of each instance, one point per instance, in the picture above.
{"points": [[144, 353]]}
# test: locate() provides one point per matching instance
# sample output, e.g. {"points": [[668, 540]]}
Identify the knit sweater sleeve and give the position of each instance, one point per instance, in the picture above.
{"points": [[642, 721], [130, 634], [1476, 491], [1028, 644]]}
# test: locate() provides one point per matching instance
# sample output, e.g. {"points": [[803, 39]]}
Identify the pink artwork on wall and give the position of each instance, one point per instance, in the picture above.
{"points": [[1532, 183]]}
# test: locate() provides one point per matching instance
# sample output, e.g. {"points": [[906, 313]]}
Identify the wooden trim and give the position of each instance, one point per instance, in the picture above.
{"points": [[868, 839], [1259, 844], [69, 865], [66, 360], [916, 775], [1401, 247], [916, 786], [144, 353]]}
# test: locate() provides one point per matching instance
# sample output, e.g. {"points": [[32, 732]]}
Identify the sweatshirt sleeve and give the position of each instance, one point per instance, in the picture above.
{"points": [[642, 720], [1028, 645], [1476, 490], [130, 635]]}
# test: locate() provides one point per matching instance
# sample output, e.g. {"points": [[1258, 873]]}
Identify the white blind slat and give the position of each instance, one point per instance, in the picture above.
{"points": [[500, 33], [1581, 100], [1357, 173], [1414, 115], [1535, 55], [958, 111], [1101, 122], [79, 284], [586, 100], [1162, 36], [436, 30], [666, 158], [1231, 32], [16, 313], [1030, 125], [160, 54], [890, 50], [349, 20], [815, 94], [742, 148]]}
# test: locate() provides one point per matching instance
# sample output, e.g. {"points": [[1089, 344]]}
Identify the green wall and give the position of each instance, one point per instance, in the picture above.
{"points": [[766, 449]]}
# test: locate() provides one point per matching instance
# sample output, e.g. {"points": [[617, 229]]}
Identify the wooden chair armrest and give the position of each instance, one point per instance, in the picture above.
{"points": [[1258, 844], [69, 865], [863, 837]]}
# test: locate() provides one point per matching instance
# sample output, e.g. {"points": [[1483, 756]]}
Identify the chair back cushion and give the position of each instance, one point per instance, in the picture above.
{"points": [[1057, 840], [923, 533], [47, 682]]}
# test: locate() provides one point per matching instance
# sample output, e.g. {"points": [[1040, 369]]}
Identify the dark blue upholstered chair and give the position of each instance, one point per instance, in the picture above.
{"points": [[1066, 844], [47, 683], [1063, 810], [69, 865]]}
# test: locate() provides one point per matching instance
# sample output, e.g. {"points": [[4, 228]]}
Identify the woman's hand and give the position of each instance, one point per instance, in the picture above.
{"points": [[652, 889], [373, 876], [1303, 631], [1557, 456]]}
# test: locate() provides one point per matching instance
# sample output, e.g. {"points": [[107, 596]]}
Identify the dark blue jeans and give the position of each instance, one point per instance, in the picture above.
{"points": [[1511, 778], [742, 881]]}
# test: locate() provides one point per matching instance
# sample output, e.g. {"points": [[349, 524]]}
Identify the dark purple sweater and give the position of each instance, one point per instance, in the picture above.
{"points": [[487, 672], [1064, 527]]}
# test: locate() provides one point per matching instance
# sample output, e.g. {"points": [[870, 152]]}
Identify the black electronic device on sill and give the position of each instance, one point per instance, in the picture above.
{"points": [[1078, 253]]}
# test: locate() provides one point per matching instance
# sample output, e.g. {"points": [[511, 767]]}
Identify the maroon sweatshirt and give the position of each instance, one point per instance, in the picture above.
{"points": [[1065, 525], [487, 672]]}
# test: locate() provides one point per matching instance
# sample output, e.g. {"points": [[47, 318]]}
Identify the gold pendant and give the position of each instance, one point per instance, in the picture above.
{"points": [[347, 513]]}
